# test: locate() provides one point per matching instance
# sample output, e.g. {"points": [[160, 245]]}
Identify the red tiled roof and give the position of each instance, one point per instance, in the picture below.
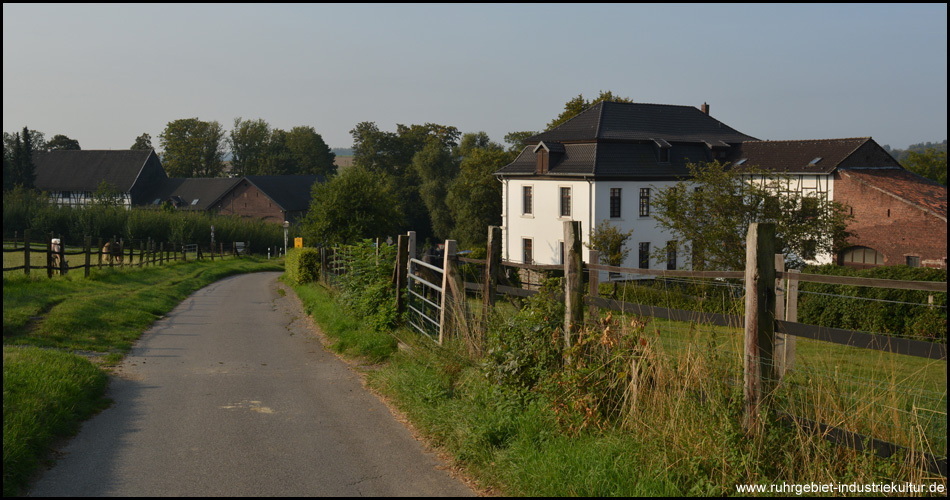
{"points": [[905, 185]]}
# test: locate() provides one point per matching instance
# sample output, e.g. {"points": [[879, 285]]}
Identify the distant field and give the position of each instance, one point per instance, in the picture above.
{"points": [[343, 161]]}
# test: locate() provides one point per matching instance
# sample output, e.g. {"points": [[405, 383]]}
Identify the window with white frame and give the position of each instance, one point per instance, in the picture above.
{"points": [[565, 202], [615, 194], [644, 202], [527, 200]]}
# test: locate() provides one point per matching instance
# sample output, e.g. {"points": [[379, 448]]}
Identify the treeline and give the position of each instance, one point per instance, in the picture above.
{"points": [[427, 178], [196, 148], [191, 147], [27, 209], [927, 159]]}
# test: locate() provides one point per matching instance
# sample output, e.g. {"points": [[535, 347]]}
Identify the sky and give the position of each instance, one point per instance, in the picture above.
{"points": [[104, 74]]}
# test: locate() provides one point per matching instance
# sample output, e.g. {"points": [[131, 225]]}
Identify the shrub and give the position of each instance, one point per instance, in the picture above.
{"points": [[366, 286], [889, 311], [303, 265], [526, 349]]}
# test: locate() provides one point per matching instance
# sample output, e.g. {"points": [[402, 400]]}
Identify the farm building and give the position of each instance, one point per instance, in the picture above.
{"points": [[608, 162], [71, 177], [273, 198]]}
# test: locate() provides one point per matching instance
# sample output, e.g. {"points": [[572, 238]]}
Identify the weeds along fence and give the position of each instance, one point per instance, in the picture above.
{"points": [[885, 394], [53, 257]]}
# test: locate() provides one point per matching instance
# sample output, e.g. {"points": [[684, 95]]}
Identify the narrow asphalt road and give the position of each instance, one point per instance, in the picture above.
{"points": [[232, 394]]}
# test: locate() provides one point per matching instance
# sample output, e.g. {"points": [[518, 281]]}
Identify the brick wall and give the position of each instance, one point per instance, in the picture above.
{"points": [[246, 200], [892, 226]]}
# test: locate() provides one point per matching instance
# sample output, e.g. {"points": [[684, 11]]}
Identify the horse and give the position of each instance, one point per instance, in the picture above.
{"points": [[59, 256], [111, 253]]}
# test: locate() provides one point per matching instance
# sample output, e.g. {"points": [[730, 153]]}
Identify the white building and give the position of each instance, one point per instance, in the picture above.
{"points": [[606, 163], [609, 162]]}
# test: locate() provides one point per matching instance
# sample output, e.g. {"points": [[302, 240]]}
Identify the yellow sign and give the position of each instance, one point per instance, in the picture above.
{"points": [[298, 242]]}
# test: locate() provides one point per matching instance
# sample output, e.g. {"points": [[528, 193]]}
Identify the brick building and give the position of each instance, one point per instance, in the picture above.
{"points": [[272, 198], [899, 218]]}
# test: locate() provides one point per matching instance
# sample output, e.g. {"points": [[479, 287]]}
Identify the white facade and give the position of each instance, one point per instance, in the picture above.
{"points": [[540, 226]]}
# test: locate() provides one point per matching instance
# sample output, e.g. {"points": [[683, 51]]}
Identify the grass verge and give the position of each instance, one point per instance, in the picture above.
{"points": [[679, 433]]}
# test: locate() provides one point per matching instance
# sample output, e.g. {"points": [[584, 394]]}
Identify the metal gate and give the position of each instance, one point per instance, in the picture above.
{"points": [[425, 297]]}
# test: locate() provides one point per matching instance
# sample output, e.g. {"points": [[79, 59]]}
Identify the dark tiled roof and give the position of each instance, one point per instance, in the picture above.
{"points": [[290, 192], [206, 190], [632, 160], [69, 170], [638, 121], [798, 156], [904, 185]]}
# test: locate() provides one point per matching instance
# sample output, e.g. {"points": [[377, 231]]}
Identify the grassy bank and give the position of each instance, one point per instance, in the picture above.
{"points": [[522, 421], [48, 389]]}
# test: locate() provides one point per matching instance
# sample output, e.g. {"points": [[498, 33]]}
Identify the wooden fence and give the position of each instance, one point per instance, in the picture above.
{"points": [[120, 253], [770, 322]]}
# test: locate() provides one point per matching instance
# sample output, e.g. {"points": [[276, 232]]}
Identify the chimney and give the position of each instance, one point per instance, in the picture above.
{"points": [[704, 108]]}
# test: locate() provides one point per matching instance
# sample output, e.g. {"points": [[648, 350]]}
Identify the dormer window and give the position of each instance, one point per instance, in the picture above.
{"points": [[662, 150], [719, 149], [547, 154]]}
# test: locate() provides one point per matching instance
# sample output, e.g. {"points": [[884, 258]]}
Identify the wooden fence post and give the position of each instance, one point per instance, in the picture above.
{"points": [[492, 266], [26, 252], [49, 256], [594, 282], [791, 315], [87, 242], [131, 253], [453, 294], [99, 253], [323, 264], [402, 261], [573, 281], [779, 352], [759, 321]]}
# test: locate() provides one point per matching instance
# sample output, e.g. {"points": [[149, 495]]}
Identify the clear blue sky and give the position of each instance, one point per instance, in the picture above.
{"points": [[104, 74]]}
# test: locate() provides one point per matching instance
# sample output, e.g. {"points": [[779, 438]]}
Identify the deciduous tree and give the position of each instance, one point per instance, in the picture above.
{"points": [[931, 164], [710, 213], [143, 141], [474, 197], [249, 140], [310, 154], [60, 141], [352, 206], [192, 148], [578, 104]]}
